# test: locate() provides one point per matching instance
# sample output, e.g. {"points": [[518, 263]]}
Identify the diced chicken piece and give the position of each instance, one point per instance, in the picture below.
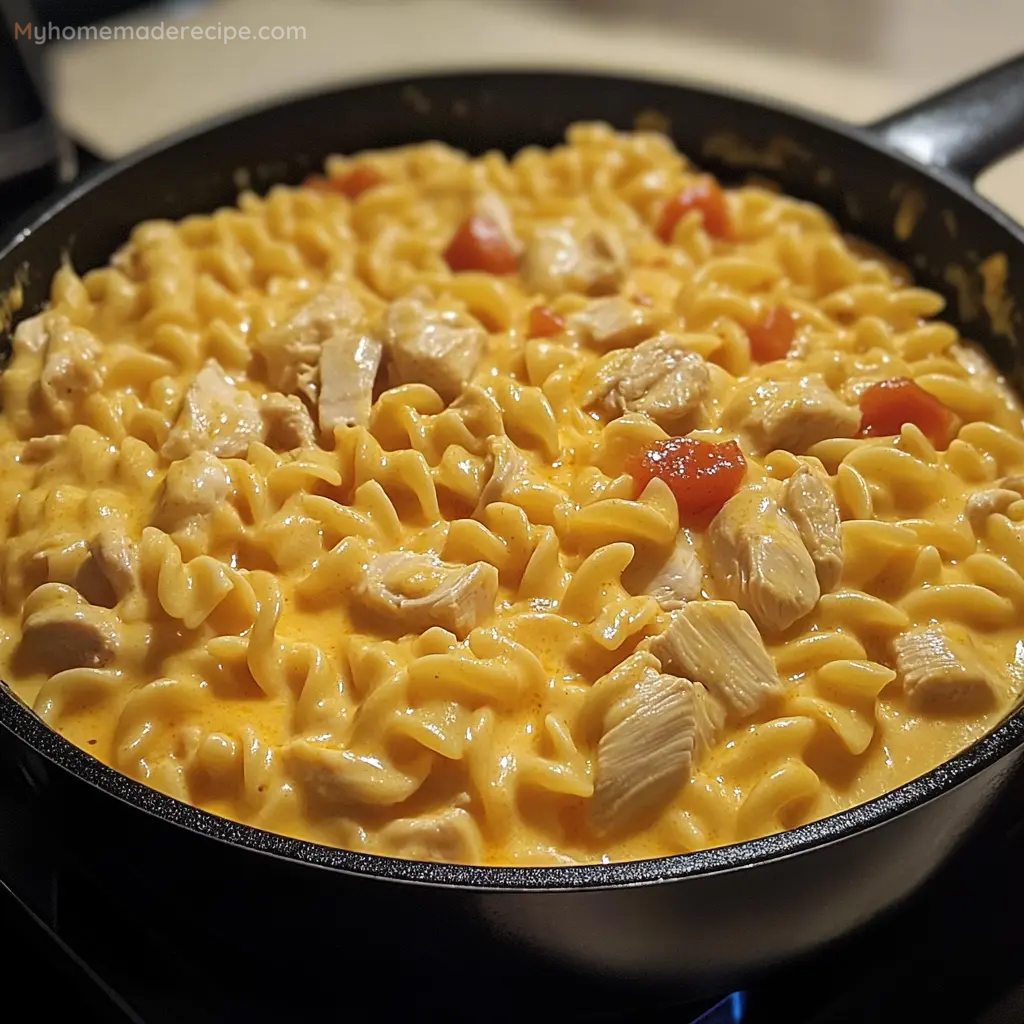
{"points": [[287, 423], [117, 557], [812, 506], [719, 645], [983, 504], [680, 577], [32, 336], [60, 630], [71, 369], [710, 717], [215, 417], [423, 591], [193, 487], [760, 561], [790, 415], [39, 449], [614, 322], [348, 367], [643, 758], [940, 669], [509, 467], [432, 347], [450, 836], [292, 349], [658, 378], [340, 777], [559, 258], [493, 207]]}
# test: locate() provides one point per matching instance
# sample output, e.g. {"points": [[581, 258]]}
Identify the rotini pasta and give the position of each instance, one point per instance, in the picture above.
{"points": [[539, 510]]}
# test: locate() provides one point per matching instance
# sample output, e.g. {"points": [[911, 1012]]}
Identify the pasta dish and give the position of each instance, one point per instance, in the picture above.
{"points": [[545, 510]]}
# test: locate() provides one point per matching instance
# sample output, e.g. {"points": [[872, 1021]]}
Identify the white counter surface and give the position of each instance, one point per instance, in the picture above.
{"points": [[856, 59]]}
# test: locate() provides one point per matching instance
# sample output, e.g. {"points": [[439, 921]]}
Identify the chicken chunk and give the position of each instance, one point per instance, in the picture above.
{"points": [[117, 557], [193, 488], [71, 369], [562, 258], [450, 836], [940, 669], [812, 506], [760, 561], [643, 758], [215, 417], [983, 504], [348, 367], [658, 378], [287, 423], [614, 323], [719, 645], [493, 208], [790, 415], [432, 347], [422, 591], [679, 579], [61, 630], [292, 349], [710, 716], [508, 468], [342, 777]]}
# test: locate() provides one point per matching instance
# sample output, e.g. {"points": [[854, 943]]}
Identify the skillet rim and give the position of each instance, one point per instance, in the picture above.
{"points": [[18, 720]]}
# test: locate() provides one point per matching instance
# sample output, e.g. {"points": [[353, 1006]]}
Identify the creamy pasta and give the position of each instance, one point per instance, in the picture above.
{"points": [[531, 511]]}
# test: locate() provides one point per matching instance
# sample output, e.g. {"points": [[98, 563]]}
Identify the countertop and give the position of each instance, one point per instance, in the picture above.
{"points": [[853, 60]]}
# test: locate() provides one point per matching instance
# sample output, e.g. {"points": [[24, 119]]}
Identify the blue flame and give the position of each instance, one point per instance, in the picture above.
{"points": [[730, 1010]]}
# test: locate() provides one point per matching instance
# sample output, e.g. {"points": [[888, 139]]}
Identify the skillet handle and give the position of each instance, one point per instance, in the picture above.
{"points": [[965, 128]]}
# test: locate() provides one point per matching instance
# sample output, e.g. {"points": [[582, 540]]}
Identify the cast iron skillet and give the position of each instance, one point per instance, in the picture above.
{"points": [[698, 920]]}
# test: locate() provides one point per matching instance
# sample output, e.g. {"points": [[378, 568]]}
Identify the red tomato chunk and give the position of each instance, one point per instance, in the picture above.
{"points": [[352, 184], [705, 195], [887, 405], [480, 244], [545, 322], [702, 476], [771, 337]]}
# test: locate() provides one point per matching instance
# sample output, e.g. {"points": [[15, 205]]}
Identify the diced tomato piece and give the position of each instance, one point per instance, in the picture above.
{"points": [[701, 475], [706, 195], [352, 184], [771, 336], [887, 405], [480, 244], [545, 322]]}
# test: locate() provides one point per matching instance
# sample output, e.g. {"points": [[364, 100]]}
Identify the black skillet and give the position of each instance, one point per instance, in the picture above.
{"points": [[324, 916]]}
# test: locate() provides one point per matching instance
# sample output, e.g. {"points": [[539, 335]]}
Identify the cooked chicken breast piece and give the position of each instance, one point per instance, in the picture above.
{"points": [[449, 836], [710, 715], [680, 577], [563, 257], [349, 362], [432, 347], [287, 423], [717, 644], [811, 505], [61, 630], [983, 504], [215, 417], [658, 378], [941, 670], [423, 591], [491, 206], [790, 415], [614, 322], [71, 367], [292, 349], [117, 557], [643, 758], [193, 487], [760, 561]]}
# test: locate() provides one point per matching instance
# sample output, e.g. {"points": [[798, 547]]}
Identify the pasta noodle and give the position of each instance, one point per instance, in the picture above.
{"points": [[452, 603]]}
